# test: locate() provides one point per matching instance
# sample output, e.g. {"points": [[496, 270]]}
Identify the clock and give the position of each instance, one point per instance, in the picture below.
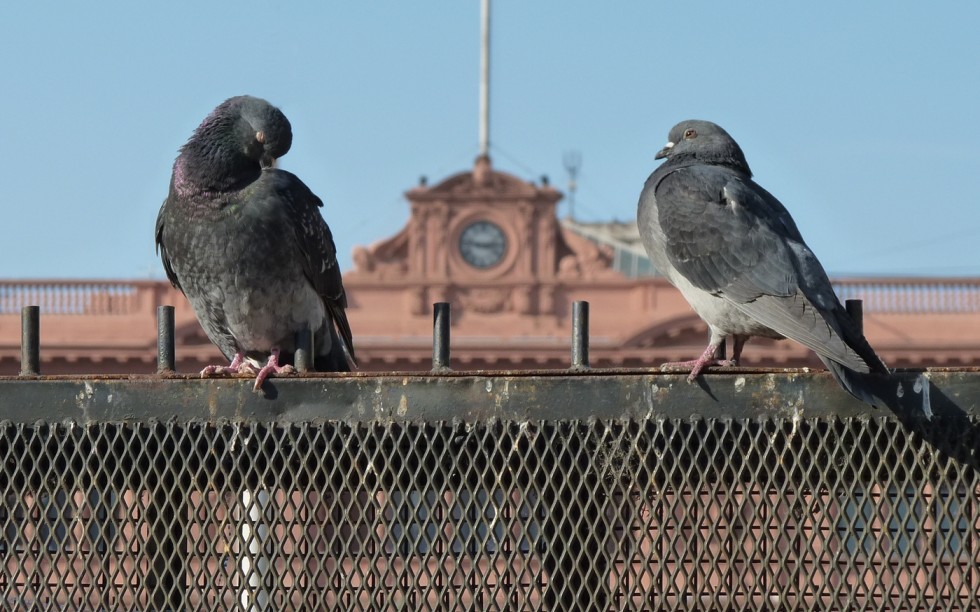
{"points": [[482, 244]]}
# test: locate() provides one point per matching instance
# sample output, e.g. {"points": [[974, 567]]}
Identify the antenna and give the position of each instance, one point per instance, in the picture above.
{"points": [[484, 78], [573, 162]]}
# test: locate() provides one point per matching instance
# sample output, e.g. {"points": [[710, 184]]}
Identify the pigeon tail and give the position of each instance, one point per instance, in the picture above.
{"points": [[869, 388], [903, 397], [337, 359]]}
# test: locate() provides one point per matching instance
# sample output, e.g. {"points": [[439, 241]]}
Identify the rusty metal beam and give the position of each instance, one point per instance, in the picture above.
{"points": [[474, 396]]}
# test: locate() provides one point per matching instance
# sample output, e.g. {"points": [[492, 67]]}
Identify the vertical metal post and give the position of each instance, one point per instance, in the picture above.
{"points": [[855, 308], [167, 483], [166, 351], [484, 78], [303, 359], [580, 335], [30, 341], [440, 336], [255, 564]]}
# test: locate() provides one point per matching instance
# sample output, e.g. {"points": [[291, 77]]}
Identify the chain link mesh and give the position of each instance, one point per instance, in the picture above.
{"points": [[719, 514]]}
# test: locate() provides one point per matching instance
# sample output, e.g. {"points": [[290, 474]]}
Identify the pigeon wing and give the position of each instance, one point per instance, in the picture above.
{"points": [[318, 250], [162, 247], [175, 238], [728, 236]]}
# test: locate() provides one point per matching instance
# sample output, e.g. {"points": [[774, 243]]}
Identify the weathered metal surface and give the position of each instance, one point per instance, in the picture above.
{"points": [[580, 335], [548, 490], [855, 308], [473, 396], [30, 339], [166, 340], [441, 319], [304, 351]]}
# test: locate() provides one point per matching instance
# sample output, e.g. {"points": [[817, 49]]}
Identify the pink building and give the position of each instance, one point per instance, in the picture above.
{"points": [[492, 245]]}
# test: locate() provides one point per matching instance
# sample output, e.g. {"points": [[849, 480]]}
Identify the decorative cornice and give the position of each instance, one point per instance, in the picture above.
{"points": [[481, 184]]}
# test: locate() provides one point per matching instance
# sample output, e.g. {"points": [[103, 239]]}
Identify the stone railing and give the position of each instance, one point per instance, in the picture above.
{"points": [[79, 297], [109, 297], [913, 295]]}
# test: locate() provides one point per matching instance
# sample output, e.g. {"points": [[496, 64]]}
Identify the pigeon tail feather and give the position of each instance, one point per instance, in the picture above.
{"points": [[859, 384], [337, 359]]}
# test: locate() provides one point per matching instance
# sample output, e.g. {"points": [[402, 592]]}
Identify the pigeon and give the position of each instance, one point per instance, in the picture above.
{"points": [[736, 255], [245, 242]]}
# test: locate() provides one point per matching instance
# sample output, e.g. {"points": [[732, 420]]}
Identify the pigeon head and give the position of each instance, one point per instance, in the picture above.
{"points": [[265, 131], [235, 141], [705, 142]]}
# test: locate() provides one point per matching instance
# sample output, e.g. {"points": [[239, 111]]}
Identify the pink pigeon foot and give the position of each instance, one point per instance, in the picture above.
{"points": [[238, 365], [707, 359], [271, 367]]}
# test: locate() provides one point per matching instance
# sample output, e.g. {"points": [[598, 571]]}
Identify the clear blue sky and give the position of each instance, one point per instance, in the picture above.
{"points": [[862, 117]]}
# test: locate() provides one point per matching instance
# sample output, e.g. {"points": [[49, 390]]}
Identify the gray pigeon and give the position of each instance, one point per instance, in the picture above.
{"points": [[246, 244], [734, 252]]}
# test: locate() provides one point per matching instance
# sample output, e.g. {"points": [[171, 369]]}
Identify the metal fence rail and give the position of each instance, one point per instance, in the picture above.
{"points": [[607, 490]]}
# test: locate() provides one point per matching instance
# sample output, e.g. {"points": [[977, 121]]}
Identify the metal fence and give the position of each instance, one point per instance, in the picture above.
{"points": [[612, 490]]}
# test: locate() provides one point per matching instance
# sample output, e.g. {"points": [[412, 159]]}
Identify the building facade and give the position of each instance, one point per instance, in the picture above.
{"points": [[492, 246]]}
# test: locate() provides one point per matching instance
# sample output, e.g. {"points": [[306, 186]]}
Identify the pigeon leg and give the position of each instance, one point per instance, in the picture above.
{"points": [[708, 358], [238, 364], [271, 367], [737, 345]]}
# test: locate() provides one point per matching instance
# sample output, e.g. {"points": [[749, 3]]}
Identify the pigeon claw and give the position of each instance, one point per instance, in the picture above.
{"points": [[706, 360], [238, 364], [721, 363], [271, 368]]}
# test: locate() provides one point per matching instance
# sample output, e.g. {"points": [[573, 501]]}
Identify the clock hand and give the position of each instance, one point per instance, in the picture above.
{"points": [[482, 243]]}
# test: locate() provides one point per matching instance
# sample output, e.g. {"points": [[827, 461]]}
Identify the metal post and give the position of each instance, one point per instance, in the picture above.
{"points": [[30, 341], [303, 359], [440, 336], [855, 308], [484, 78], [255, 564], [166, 351], [580, 335]]}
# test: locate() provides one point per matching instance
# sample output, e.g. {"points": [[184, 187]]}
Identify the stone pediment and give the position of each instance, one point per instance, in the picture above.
{"points": [[385, 259], [577, 258], [534, 249], [580, 258], [481, 183]]}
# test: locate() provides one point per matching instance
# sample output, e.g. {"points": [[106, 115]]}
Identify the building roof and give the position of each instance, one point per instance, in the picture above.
{"points": [[623, 237]]}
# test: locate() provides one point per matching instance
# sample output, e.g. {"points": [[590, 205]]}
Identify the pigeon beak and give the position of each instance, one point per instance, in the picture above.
{"points": [[268, 161], [664, 152]]}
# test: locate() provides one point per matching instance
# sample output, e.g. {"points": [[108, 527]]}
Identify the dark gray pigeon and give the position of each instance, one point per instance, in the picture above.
{"points": [[246, 244], [736, 255]]}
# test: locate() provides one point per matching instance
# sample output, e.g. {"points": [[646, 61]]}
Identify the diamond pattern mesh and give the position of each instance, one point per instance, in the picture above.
{"points": [[837, 514]]}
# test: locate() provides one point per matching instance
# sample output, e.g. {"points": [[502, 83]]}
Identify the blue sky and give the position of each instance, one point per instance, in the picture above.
{"points": [[862, 117]]}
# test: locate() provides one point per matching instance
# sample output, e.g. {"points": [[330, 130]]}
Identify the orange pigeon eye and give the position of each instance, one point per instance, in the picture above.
{"points": [[689, 134]]}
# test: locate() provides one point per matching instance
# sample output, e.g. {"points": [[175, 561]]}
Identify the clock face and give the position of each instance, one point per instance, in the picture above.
{"points": [[482, 244]]}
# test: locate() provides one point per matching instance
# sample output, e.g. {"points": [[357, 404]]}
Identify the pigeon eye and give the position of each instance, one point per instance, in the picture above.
{"points": [[260, 137], [689, 134]]}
